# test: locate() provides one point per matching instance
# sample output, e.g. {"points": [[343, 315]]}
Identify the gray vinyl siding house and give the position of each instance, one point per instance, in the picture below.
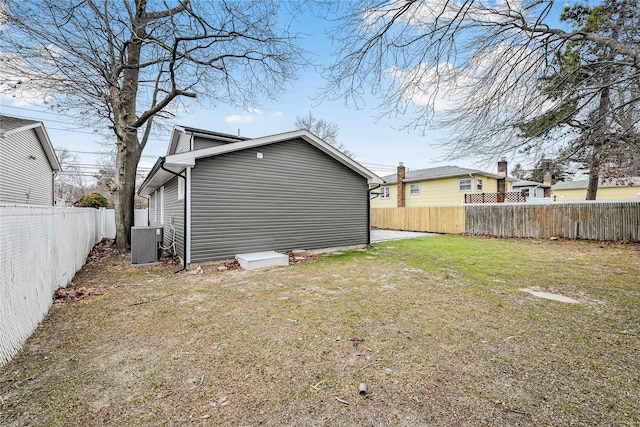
{"points": [[281, 192], [28, 163]]}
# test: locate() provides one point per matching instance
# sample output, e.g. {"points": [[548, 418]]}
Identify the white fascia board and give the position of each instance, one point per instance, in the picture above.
{"points": [[48, 147], [188, 159]]}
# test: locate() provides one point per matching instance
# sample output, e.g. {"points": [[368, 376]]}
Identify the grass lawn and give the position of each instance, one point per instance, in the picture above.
{"points": [[438, 328]]}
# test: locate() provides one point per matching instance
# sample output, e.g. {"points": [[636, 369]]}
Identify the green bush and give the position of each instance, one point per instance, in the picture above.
{"points": [[93, 200]]}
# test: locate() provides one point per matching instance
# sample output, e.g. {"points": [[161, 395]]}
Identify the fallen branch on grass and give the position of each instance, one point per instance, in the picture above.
{"points": [[370, 364], [150, 300], [344, 402]]}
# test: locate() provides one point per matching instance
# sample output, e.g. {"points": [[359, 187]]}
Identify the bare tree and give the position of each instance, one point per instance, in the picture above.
{"points": [[475, 68], [71, 183], [595, 96], [122, 65], [327, 131]]}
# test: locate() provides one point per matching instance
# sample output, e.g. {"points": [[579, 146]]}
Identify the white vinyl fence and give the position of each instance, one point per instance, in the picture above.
{"points": [[41, 249], [140, 218]]}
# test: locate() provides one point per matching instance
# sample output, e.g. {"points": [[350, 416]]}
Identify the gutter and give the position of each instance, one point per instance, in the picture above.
{"points": [[184, 220], [369, 212]]}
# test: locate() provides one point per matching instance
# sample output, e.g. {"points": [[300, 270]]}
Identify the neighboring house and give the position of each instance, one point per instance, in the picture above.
{"points": [[439, 186], [28, 163], [238, 195], [616, 189], [532, 189]]}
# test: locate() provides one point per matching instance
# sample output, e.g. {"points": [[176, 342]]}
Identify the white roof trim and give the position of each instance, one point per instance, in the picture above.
{"points": [[189, 158]]}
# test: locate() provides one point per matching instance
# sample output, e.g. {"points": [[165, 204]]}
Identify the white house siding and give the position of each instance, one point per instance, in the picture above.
{"points": [[152, 208], [24, 180], [287, 195]]}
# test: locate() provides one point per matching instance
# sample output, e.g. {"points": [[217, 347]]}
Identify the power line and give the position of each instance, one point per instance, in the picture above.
{"points": [[71, 130], [102, 153]]}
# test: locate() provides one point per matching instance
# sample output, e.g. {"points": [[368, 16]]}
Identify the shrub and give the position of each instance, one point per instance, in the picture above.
{"points": [[93, 200]]}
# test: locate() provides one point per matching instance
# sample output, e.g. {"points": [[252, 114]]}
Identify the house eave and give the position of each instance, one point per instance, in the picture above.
{"points": [[157, 177], [189, 158], [457, 175]]}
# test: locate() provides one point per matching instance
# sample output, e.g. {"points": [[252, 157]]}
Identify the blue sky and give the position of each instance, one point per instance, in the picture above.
{"points": [[376, 143]]}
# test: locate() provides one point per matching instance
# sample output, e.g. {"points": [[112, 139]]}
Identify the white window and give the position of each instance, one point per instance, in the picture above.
{"points": [[385, 193], [479, 184], [180, 188], [464, 184], [155, 207], [414, 189]]}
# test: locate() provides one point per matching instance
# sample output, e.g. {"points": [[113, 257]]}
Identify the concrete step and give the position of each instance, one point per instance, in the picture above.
{"points": [[257, 260]]}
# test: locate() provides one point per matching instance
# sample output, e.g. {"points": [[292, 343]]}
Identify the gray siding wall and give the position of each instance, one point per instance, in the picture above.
{"points": [[173, 215], [295, 197], [199, 143], [24, 180]]}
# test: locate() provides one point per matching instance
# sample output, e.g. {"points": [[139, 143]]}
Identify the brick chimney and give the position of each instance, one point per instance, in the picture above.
{"points": [[547, 181], [400, 185], [502, 182]]}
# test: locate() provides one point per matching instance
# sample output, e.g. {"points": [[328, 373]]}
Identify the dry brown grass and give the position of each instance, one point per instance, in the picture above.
{"points": [[436, 327]]}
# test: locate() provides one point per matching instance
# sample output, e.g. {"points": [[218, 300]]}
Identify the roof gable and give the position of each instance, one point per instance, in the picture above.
{"points": [[12, 125], [179, 131], [177, 162]]}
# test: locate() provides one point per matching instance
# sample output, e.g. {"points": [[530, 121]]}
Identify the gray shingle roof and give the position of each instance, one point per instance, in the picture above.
{"points": [[10, 123], [578, 185], [436, 173], [526, 183]]}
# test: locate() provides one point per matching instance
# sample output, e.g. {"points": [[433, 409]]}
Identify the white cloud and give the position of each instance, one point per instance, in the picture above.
{"points": [[250, 115], [235, 118]]}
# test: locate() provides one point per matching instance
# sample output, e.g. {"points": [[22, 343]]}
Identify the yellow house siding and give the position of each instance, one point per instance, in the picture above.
{"points": [[604, 193], [391, 202], [436, 192]]}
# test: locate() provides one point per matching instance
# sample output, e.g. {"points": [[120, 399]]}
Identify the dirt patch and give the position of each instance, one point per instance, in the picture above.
{"points": [[438, 330]]}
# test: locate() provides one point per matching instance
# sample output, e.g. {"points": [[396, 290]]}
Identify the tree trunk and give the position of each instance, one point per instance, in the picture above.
{"points": [[125, 188], [594, 177], [129, 148]]}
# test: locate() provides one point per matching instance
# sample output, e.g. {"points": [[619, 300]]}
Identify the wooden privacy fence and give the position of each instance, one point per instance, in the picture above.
{"points": [[616, 221], [437, 219]]}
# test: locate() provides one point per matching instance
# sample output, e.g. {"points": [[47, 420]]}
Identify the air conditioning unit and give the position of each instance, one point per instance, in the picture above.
{"points": [[145, 245]]}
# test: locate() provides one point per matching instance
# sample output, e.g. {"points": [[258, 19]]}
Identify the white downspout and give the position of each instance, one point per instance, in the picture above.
{"points": [[187, 220]]}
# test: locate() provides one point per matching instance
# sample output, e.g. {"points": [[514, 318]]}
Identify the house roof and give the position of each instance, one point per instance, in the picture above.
{"points": [[10, 125], [604, 183], [438, 173], [179, 130], [177, 162], [526, 183]]}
